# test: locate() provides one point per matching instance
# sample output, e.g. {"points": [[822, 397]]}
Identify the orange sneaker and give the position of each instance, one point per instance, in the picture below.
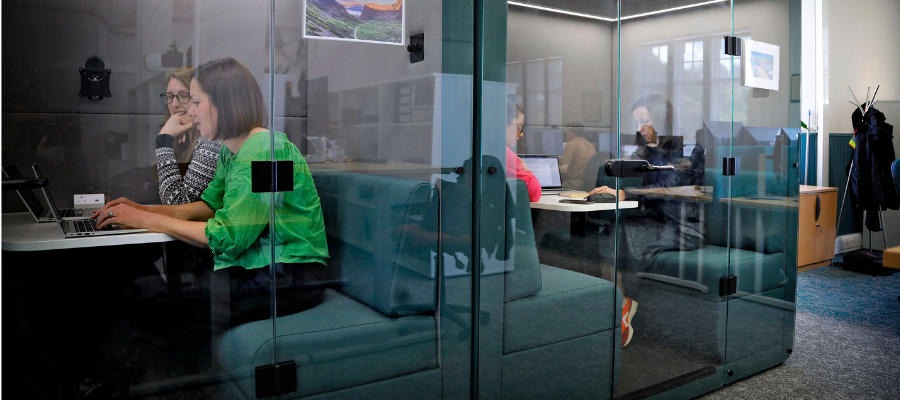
{"points": [[628, 309]]}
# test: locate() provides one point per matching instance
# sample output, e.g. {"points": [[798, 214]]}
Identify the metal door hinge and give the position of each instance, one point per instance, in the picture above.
{"points": [[271, 176], [727, 286], [274, 380], [731, 166], [732, 46]]}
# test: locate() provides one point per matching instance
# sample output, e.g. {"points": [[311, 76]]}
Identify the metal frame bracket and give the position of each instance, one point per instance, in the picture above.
{"points": [[727, 286], [274, 380], [731, 166], [732, 46], [271, 176]]}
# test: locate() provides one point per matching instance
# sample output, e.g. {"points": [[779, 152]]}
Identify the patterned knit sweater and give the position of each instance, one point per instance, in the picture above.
{"points": [[173, 189]]}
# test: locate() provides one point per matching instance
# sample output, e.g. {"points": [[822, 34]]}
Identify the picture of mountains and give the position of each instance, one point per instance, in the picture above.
{"points": [[373, 21]]}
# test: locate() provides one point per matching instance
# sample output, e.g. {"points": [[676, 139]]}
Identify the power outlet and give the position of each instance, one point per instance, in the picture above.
{"points": [[847, 243]]}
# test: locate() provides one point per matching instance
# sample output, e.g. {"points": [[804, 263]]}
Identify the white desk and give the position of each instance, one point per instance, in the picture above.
{"points": [[21, 233], [551, 202]]}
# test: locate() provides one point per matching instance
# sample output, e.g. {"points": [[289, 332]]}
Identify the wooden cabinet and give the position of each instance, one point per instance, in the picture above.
{"points": [[818, 210]]}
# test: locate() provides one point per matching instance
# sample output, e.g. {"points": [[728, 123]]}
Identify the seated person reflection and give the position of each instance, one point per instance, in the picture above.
{"points": [[667, 227], [576, 154], [227, 105], [185, 160], [515, 167]]}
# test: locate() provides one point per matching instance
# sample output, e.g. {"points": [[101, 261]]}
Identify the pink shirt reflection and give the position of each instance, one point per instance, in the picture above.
{"points": [[515, 169]]}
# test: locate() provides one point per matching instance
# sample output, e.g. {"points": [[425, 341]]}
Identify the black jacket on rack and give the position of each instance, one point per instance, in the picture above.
{"points": [[871, 185]]}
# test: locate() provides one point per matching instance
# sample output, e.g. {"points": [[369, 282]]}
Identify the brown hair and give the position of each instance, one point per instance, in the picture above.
{"points": [[183, 151], [233, 91]]}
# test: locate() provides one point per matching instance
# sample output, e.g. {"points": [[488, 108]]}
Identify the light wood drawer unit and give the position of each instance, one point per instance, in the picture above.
{"points": [[818, 209]]}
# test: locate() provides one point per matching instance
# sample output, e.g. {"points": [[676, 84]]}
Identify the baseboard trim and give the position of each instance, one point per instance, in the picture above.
{"points": [[811, 267]]}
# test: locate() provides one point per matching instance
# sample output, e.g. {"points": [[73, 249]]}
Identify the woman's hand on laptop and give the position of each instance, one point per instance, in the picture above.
{"points": [[104, 211], [124, 214]]}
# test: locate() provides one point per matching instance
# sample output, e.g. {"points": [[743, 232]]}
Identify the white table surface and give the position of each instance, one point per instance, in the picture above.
{"points": [[551, 202], [21, 233]]}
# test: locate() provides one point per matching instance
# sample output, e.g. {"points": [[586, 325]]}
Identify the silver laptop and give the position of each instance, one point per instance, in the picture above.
{"points": [[27, 195], [87, 227], [545, 168], [66, 213]]}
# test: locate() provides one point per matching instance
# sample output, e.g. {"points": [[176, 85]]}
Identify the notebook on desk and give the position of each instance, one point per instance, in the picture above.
{"points": [[545, 168]]}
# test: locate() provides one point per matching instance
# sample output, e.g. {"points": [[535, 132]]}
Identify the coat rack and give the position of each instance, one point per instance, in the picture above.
{"points": [[863, 109]]}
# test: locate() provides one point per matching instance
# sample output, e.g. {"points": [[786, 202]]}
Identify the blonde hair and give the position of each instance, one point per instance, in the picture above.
{"points": [[183, 151]]}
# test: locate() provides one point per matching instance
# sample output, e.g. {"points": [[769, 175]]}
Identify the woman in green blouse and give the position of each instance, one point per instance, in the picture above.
{"points": [[227, 105]]}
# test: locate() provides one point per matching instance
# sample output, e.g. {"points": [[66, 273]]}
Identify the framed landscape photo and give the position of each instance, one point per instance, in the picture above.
{"points": [[760, 62], [367, 21]]}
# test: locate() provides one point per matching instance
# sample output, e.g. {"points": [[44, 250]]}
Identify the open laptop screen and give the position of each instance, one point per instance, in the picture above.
{"points": [[545, 169], [31, 201]]}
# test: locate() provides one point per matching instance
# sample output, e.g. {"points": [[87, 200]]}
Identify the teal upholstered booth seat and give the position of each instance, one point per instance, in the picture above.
{"points": [[376, 333], [379, 324], [559, 327], [680, 299], [757, 235], [338, 344]]}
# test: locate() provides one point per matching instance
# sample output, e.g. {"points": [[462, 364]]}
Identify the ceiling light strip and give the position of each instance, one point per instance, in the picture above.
{"points": [[673, 9], [556, 10]]}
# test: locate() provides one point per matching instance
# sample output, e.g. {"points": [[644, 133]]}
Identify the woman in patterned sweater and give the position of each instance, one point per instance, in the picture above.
{"points": [[180, 144]]}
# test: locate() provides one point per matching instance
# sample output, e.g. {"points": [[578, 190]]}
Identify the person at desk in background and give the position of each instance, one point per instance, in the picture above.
{"points": [[668, 226], [180, 145], [515, 167], [227, 105], [576, 155]]}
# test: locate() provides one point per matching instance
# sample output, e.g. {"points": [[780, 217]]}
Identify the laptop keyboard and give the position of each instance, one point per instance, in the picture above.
{"points": [[71, 212], [89, 225]]}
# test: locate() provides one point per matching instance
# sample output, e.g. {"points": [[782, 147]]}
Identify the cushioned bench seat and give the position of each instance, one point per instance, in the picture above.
{"points": [[338, 344], [570, 305], [711, 262]]}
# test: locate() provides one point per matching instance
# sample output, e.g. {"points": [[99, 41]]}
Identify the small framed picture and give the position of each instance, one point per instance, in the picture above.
{"points": [[374, 21], [760, 62]]}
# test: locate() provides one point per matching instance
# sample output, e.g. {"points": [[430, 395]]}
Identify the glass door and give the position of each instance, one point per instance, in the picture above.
{"points": [[547, 126], [764, 194], [674, 116]]}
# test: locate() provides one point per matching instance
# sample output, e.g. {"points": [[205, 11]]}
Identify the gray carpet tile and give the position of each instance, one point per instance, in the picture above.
{"points": [[847, 342]]}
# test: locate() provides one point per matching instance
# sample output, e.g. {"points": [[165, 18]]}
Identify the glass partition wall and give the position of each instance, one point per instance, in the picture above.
{"points": [[413, 242]]}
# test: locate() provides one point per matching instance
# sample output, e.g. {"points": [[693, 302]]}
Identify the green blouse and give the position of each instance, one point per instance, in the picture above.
{"points": [[238, 234]]}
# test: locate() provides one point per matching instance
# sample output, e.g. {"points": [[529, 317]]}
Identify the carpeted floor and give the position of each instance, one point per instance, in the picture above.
{"points": [[847, 342]]}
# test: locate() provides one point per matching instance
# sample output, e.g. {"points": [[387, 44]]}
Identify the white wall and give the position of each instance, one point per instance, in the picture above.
{"points": [[860, 50], [586, 48]]}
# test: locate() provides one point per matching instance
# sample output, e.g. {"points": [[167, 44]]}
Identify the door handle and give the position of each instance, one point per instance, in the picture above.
{"points": [[632, 168], [818, 207], [453, 170]]}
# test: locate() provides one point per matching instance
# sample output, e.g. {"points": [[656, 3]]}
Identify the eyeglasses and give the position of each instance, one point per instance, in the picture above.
{"points": [[183, 97], [520, 128]]}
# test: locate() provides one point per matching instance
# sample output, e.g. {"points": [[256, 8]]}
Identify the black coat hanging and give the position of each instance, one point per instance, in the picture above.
{"points": [[871, 186]]}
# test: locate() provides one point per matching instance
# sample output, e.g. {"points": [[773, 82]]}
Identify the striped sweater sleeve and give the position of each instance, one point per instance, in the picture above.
{"points": [[173, 189]]}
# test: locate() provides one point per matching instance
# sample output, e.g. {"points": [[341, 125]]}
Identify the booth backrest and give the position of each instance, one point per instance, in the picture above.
{"points": [[370, 220], [768, 224], [523, 271]]}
